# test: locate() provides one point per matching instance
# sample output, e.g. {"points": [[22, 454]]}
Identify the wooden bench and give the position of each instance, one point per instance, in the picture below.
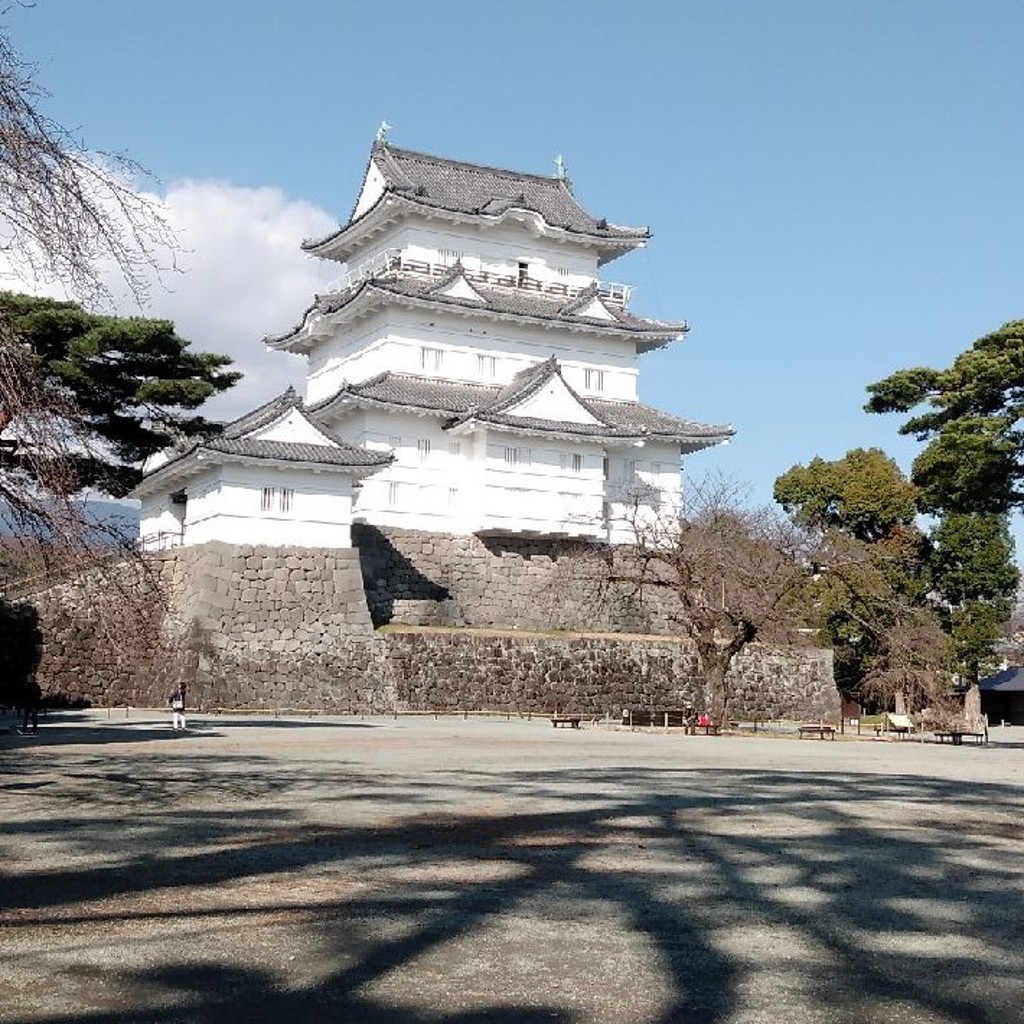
{"points": [[573, 721], [819, 729], [711, 729], [956, 737]]}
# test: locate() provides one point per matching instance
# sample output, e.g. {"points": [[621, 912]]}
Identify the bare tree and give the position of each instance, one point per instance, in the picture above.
{"points": [[730, 574], [72, 217], [66, 213]]}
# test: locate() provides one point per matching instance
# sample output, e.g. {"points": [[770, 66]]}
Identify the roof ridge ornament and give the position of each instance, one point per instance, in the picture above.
{"points": [[382, 132], [562, 172]]}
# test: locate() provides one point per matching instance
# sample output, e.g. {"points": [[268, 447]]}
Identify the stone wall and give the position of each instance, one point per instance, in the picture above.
{"points": [[244, 626], [465, 670], [252, 627], [427, 579]]}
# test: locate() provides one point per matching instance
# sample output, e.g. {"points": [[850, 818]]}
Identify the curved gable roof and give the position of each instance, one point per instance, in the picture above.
{"points": [[436, 183]]}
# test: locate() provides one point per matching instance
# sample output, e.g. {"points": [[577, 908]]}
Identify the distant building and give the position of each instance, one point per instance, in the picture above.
{"points": [[468, 373], [1002, 696]]}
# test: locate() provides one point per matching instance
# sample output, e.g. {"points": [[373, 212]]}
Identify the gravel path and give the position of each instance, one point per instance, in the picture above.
{"points": [[448, 870]]}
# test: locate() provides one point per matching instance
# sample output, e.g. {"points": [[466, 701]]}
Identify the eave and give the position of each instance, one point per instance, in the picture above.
{"points": [[370, 296], [340, 244]]}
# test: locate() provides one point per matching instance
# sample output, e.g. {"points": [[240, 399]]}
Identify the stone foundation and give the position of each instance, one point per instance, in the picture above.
{"points": [[250, 627], [414, 578]]}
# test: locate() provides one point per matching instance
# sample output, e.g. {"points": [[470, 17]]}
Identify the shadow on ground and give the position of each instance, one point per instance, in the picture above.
{"points": [[727, 893]]}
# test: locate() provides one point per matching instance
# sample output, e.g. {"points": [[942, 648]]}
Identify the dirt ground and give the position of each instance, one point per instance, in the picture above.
{"points": [[447, 870]]}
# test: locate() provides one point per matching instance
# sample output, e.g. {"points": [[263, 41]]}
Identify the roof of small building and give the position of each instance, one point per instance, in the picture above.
{"points": [[233, 444], [514, 303], [1009, 680], [440, 184]]}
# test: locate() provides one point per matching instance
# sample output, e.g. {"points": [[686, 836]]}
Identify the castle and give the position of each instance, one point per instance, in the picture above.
{"points": [[468, 373]]}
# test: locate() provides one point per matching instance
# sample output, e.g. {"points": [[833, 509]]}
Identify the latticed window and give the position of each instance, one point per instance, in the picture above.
{"points": [[277, 499], [423, 447], [487, 366], [449, 257], [517, 456], [593, 380], [431, 358]]}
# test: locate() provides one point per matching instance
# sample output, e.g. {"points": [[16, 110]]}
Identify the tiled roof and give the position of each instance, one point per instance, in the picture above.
{"points": [[290, 451], [474, 188], [634, 416], [411, 392], [461, 402], [264, 415], [516, 302]]}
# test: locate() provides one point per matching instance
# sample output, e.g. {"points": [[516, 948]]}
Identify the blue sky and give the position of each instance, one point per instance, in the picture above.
{"points": [[834, 187]]}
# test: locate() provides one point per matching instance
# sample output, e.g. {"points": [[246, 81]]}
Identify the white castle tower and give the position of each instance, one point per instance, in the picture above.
{"points": [[469, 373]]}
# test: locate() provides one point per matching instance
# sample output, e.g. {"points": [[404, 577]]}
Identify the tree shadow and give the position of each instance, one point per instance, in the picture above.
{"points": [[815, 890]]}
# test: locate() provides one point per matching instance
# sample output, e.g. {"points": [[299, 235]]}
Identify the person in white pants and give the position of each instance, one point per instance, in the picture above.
{"points": [[177, 700]]}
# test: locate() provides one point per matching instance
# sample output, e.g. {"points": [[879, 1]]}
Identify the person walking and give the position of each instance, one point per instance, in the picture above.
{"points": [[177, 702]]}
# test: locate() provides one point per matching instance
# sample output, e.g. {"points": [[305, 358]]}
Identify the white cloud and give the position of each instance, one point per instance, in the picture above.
{"points": [[243, 277]]}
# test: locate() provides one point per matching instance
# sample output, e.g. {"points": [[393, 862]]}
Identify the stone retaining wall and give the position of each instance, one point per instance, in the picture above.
{"points": [[427, 579], [465, 670], [269, 628]]}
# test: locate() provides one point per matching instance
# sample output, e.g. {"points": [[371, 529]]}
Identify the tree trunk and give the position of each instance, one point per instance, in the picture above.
{"points": [[716, 669]]}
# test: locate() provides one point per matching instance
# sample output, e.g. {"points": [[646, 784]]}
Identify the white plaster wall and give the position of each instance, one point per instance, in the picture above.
{"points": [[554, 402], [395, 340], [292, 428], [225, 504], [539, 489], [160, 522], [495, 248], [355, 353], [372, 190], [432, 483]]}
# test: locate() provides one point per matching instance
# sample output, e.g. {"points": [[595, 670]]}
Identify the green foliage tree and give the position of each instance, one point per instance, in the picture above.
{"points": [[897, 583], [971, 567], [864, 494], [125, 387], [974, 455], [870, 600]]}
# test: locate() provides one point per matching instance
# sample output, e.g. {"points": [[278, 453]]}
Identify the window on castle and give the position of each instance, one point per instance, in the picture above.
{"points": [[454, 448], [593, 380], [449, 257], [392, 494], [628, 471], [571, 462], [423, 447], [453, 497], [277, 499], [524, 272], [395, 441], [487, 366], [516, 457], [431, 358], [563, 272]]}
